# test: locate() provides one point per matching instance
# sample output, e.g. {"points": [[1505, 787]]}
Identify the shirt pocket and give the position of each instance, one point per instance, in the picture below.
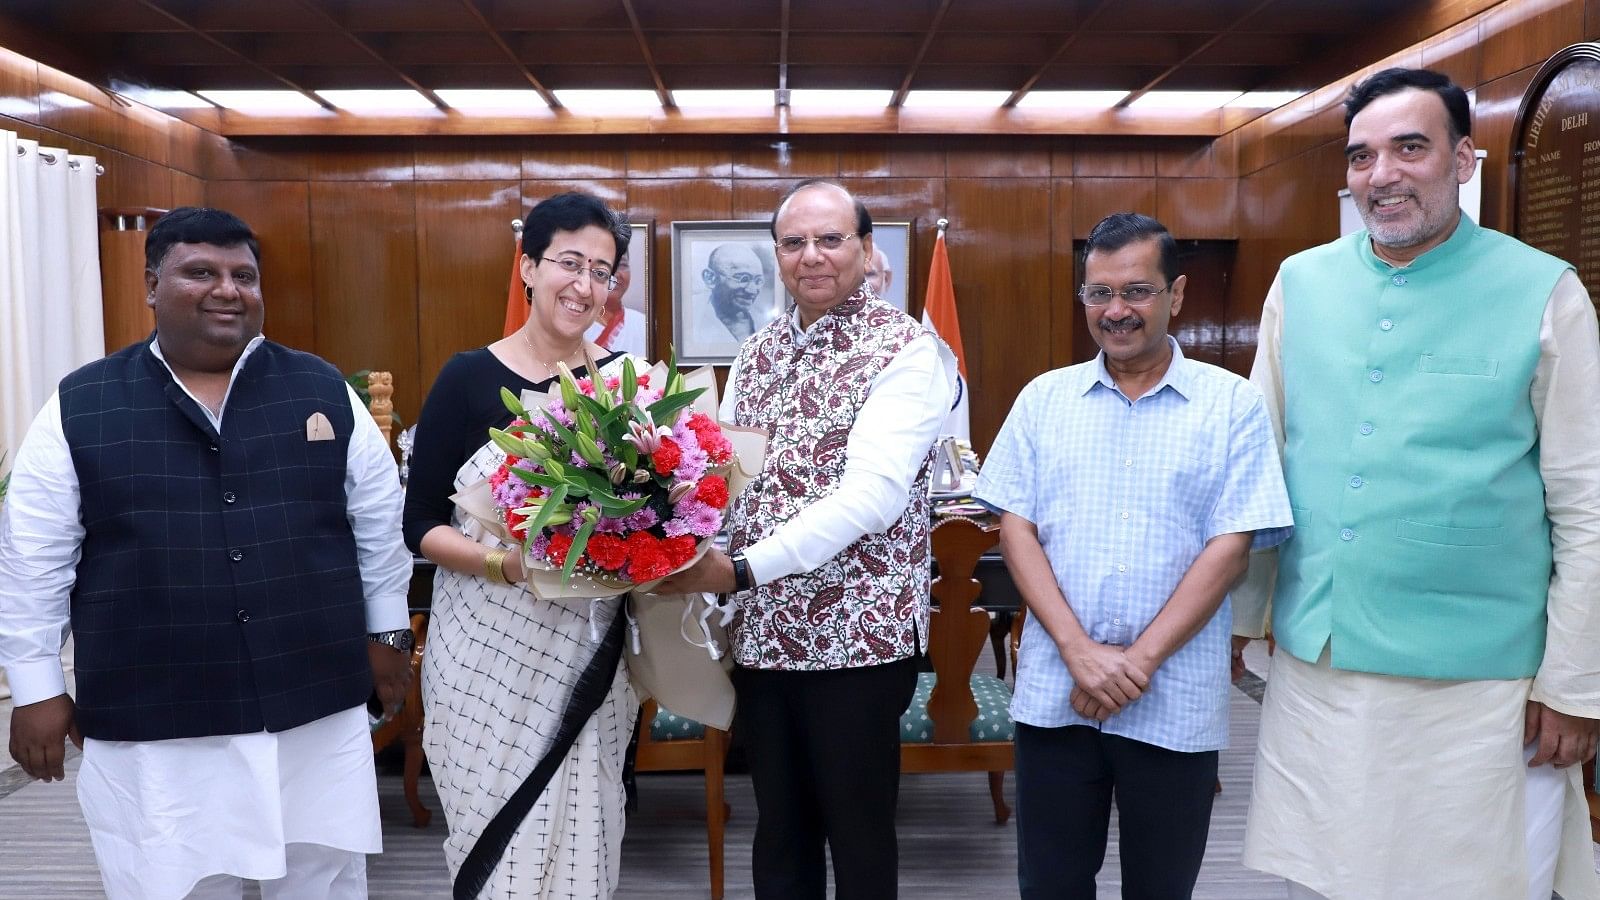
{"points": [[1449, 535], [1443, 364]]}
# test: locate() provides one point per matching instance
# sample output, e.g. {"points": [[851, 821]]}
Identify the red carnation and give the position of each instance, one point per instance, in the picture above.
{"points": [[642, 540], [607, 550], [514, 522], [557, 552], [679, 550], [648, 565], [713, 491], [667, 456]]}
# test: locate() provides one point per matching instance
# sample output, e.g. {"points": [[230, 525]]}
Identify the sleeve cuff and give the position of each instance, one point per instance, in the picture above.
{"points": [[35, 681], [388, 614]]}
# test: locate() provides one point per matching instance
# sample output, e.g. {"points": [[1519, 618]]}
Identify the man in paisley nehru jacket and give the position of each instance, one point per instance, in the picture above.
{"points": [[829, 561]]}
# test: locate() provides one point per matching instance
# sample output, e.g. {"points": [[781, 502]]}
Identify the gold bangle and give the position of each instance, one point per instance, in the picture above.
{"points": [[494, 567]]}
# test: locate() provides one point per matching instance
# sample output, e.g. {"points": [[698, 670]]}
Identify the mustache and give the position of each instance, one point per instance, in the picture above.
{"points": [[1129, 322]]}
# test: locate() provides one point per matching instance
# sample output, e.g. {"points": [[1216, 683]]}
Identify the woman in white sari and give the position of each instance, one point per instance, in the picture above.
{"points": [[528, 709]]}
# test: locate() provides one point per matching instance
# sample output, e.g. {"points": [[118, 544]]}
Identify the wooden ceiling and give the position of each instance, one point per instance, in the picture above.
{"points": [[1014, 46]]}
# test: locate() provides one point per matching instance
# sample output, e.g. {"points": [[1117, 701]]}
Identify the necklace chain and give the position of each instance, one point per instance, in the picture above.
{"points": [[548, 367]]}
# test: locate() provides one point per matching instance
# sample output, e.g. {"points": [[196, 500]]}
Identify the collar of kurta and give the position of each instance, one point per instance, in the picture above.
{"points": [[840, 311], [1178, 377], [1443, 255]]}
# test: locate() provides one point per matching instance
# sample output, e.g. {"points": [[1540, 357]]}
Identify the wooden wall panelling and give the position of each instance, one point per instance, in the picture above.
{"points": [[122, 292], [863, 157], [1113, 158], [222, 159], [19, 87], [187, 190], [1493, 116], [756, 198], [1591, 20], [612, 191], [1254, 268], [1002, 287], [74, 107], [379, 160], [998, 157], [677, 158], [464, 252], [1190, 159], [917, 158], [1198, 208], [1066, 314], [921, 200], [1527, 32], [1095, 198], [1456, 52], [556, 158], [280, 214], [779, 157], [1252, 146], [364, 272], [482, 159], [184, 142], [668, 200], [1063, 153], [130, 181]]}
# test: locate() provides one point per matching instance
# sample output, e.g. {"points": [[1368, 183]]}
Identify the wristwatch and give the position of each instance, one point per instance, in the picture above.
{"points": [[402, 640], [742, 580]]}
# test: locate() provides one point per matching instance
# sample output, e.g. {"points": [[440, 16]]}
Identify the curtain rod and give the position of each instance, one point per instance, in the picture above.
{"points": [[50, 160]]}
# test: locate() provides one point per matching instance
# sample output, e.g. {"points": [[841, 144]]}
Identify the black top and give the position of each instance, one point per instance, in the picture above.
{"points": [[462, 406]]}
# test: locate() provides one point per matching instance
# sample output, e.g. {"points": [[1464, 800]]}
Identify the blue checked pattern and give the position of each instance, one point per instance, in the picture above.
{"points": [[1124, 496]]}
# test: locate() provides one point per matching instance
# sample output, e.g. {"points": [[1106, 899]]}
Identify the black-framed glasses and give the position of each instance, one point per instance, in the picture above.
{"points": [[1133, 294], [794, 244], [572, 267]]}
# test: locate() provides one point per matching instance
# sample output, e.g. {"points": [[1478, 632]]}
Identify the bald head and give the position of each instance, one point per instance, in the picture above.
{"points": [[879, 273], [821, 277], [735, 277]]}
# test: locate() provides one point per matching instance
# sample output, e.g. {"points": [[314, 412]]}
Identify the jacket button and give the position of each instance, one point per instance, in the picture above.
{"points": [[236, 555], [229, 497], [244, 615], [214, 448]]}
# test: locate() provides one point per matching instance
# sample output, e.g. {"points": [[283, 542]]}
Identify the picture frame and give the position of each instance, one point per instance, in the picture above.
{"points": [[894, 241], [635, 332], [722, 272]]}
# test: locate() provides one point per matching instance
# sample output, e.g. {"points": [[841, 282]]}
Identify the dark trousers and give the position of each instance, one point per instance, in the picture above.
{"points": [[824, 756], [1066, 779]]}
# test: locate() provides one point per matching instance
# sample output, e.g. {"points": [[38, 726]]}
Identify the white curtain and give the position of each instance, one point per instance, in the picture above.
{"points": [[51, 318]]}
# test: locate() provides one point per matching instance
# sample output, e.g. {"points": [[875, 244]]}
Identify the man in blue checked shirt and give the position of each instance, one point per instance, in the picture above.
{"points": [[1131, 489]]}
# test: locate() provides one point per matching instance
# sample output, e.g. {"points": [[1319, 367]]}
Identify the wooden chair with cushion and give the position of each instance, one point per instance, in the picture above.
{"points": [[959, 720], [671, 743]]}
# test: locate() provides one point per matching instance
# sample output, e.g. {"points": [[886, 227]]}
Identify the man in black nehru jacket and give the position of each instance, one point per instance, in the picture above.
{"points": [[216, 519]]}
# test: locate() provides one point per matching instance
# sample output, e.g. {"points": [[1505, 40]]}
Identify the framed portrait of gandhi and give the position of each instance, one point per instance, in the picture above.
{"points": [[725, 287]]}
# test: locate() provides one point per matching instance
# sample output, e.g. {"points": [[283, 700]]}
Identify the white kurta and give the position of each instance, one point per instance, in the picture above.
{"points": [[165, 814], [1370, 786]]}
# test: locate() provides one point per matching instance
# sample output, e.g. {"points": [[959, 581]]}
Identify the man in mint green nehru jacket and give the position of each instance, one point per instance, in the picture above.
{"points": [[1436, 387]]}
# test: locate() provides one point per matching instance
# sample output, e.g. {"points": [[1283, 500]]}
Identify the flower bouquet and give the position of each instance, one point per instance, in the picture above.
{"points": [[610, 484]]}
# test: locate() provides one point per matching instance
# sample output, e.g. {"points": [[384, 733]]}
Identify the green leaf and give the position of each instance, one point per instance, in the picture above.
{"points": [[544, 481], [616, 507], [548, 510], [665, 411], [630, 455], [513, 404], [562, 431], [579, 542]]}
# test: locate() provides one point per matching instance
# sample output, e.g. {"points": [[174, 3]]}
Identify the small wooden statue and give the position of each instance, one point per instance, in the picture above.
{"points": [[380, 387]]}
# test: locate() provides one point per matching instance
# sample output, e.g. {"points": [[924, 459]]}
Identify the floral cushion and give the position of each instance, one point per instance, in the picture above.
{"points": [[993, 722], [670, 727]]}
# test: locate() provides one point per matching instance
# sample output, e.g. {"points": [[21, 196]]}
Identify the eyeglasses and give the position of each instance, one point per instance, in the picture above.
{"points": [[794, 244], [743, 279], [1133, 294], [572, 267]]}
